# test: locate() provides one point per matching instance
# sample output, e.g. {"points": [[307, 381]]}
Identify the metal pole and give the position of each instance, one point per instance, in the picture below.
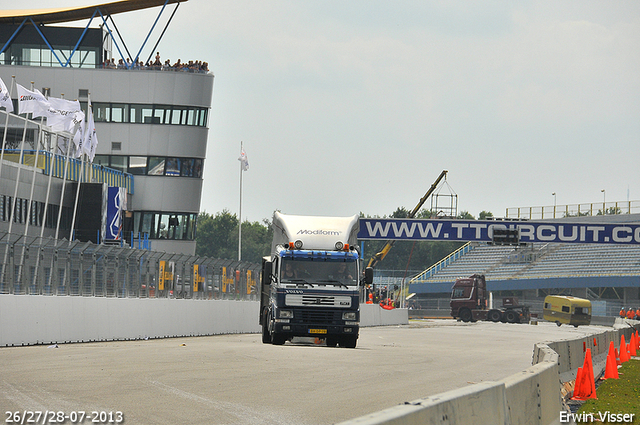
{"points": [[6, 125], [240, 213], [81, 176], [64, 183]]}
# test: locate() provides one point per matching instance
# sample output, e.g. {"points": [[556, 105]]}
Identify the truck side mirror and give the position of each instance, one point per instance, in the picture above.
{"points": [[266, 272], [368, 276]]}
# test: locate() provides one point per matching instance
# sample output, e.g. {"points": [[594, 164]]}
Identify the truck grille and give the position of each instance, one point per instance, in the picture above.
{"points": [[318, 316], [318, 300]]}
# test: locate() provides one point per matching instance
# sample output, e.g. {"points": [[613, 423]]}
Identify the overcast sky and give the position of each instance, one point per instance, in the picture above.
{"points": [[357, 106]]}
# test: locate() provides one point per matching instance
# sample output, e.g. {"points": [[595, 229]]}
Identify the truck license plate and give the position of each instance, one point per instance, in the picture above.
{"points": [[317, 331]]}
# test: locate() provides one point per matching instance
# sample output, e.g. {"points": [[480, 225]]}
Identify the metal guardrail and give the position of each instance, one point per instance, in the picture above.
{"points": [[442, 263], [46, 266], [55, 163], [573, 210]]}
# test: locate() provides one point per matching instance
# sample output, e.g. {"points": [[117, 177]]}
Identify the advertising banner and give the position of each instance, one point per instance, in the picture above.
{"points": [[115, 204], [482, 231]]}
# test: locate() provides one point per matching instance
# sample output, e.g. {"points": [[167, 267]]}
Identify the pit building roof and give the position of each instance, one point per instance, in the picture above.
{"points": [[70, 14]]}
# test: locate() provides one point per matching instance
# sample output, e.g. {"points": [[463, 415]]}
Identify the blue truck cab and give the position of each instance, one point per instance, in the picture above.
{"points": [[310, 285]]}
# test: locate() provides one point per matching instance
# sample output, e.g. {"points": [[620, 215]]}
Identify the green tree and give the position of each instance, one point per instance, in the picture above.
{"points": [[217, 237], [256, 240], [485, 215], [465, 215]]}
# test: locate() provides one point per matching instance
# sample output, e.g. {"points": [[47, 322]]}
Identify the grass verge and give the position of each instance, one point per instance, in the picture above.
{"points": [[616, 396]]}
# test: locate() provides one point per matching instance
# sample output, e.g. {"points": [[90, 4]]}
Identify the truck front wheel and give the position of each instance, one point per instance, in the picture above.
{"points": [[266, 335], [349, 341], [277, 339], [465, 315]]}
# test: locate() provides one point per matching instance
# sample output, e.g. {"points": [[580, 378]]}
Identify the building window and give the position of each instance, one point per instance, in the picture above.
{"points": [[173, 167], [168, 226], [141, 114], [119, 163], [149, 114], [138, 165], [153, 165], [156, 166], [101, 112], [119, 112]]}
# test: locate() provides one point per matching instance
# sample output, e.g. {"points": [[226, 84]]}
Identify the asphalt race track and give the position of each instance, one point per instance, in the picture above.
{"points": [[235, 379]]}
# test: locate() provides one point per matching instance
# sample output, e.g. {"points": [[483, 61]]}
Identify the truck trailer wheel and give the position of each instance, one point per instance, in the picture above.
{"points": [[494, 315], [465, 315], [512, 316]]}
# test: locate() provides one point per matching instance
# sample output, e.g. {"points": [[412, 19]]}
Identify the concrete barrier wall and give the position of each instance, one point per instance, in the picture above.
{"points": [[28, 319], [33, 319], [532, 396], [374, 315], [469, 405]]}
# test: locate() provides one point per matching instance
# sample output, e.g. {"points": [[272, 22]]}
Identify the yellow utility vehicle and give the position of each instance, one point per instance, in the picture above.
{"points": [[568, 310]]}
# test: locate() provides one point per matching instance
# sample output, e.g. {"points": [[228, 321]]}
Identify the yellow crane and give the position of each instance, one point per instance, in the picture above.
{"points": [[385, 250]]}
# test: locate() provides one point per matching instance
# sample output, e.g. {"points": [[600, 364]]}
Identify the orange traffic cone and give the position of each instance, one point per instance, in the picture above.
{"points": [[585, 384], [578, 393], [611, 369], [632, 346], [588, 363], [624, 356]]}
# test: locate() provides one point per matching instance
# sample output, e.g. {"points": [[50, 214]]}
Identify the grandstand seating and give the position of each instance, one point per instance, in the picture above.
{"points": [[540, 261]]}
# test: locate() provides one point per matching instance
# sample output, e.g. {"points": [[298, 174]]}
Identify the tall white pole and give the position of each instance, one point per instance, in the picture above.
{"points": [[81, 176], [240, 212], [64, 181], [6, 125]]}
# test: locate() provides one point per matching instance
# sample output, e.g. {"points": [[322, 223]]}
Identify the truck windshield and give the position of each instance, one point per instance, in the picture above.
{"points": [[339, 273]]}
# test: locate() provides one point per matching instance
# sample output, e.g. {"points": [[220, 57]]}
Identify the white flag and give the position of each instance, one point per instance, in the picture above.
{"points": [[5, 98], [243, 160], [78, 140], [32, 101], [62, 145], [64, 115], [90, 142]]}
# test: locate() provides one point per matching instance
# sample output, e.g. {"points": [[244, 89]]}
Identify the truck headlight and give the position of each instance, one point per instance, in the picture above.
{"points": [[349, 315], [286, 314]]}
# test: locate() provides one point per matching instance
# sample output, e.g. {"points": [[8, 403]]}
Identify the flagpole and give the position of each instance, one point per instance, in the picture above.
{"points": [[81, 176], [6, 125], [15, 194], [4, 141], [64, 182], [240, 213]]}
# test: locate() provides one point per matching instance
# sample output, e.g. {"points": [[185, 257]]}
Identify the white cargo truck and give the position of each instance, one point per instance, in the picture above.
{"points": [[310, 285]]}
